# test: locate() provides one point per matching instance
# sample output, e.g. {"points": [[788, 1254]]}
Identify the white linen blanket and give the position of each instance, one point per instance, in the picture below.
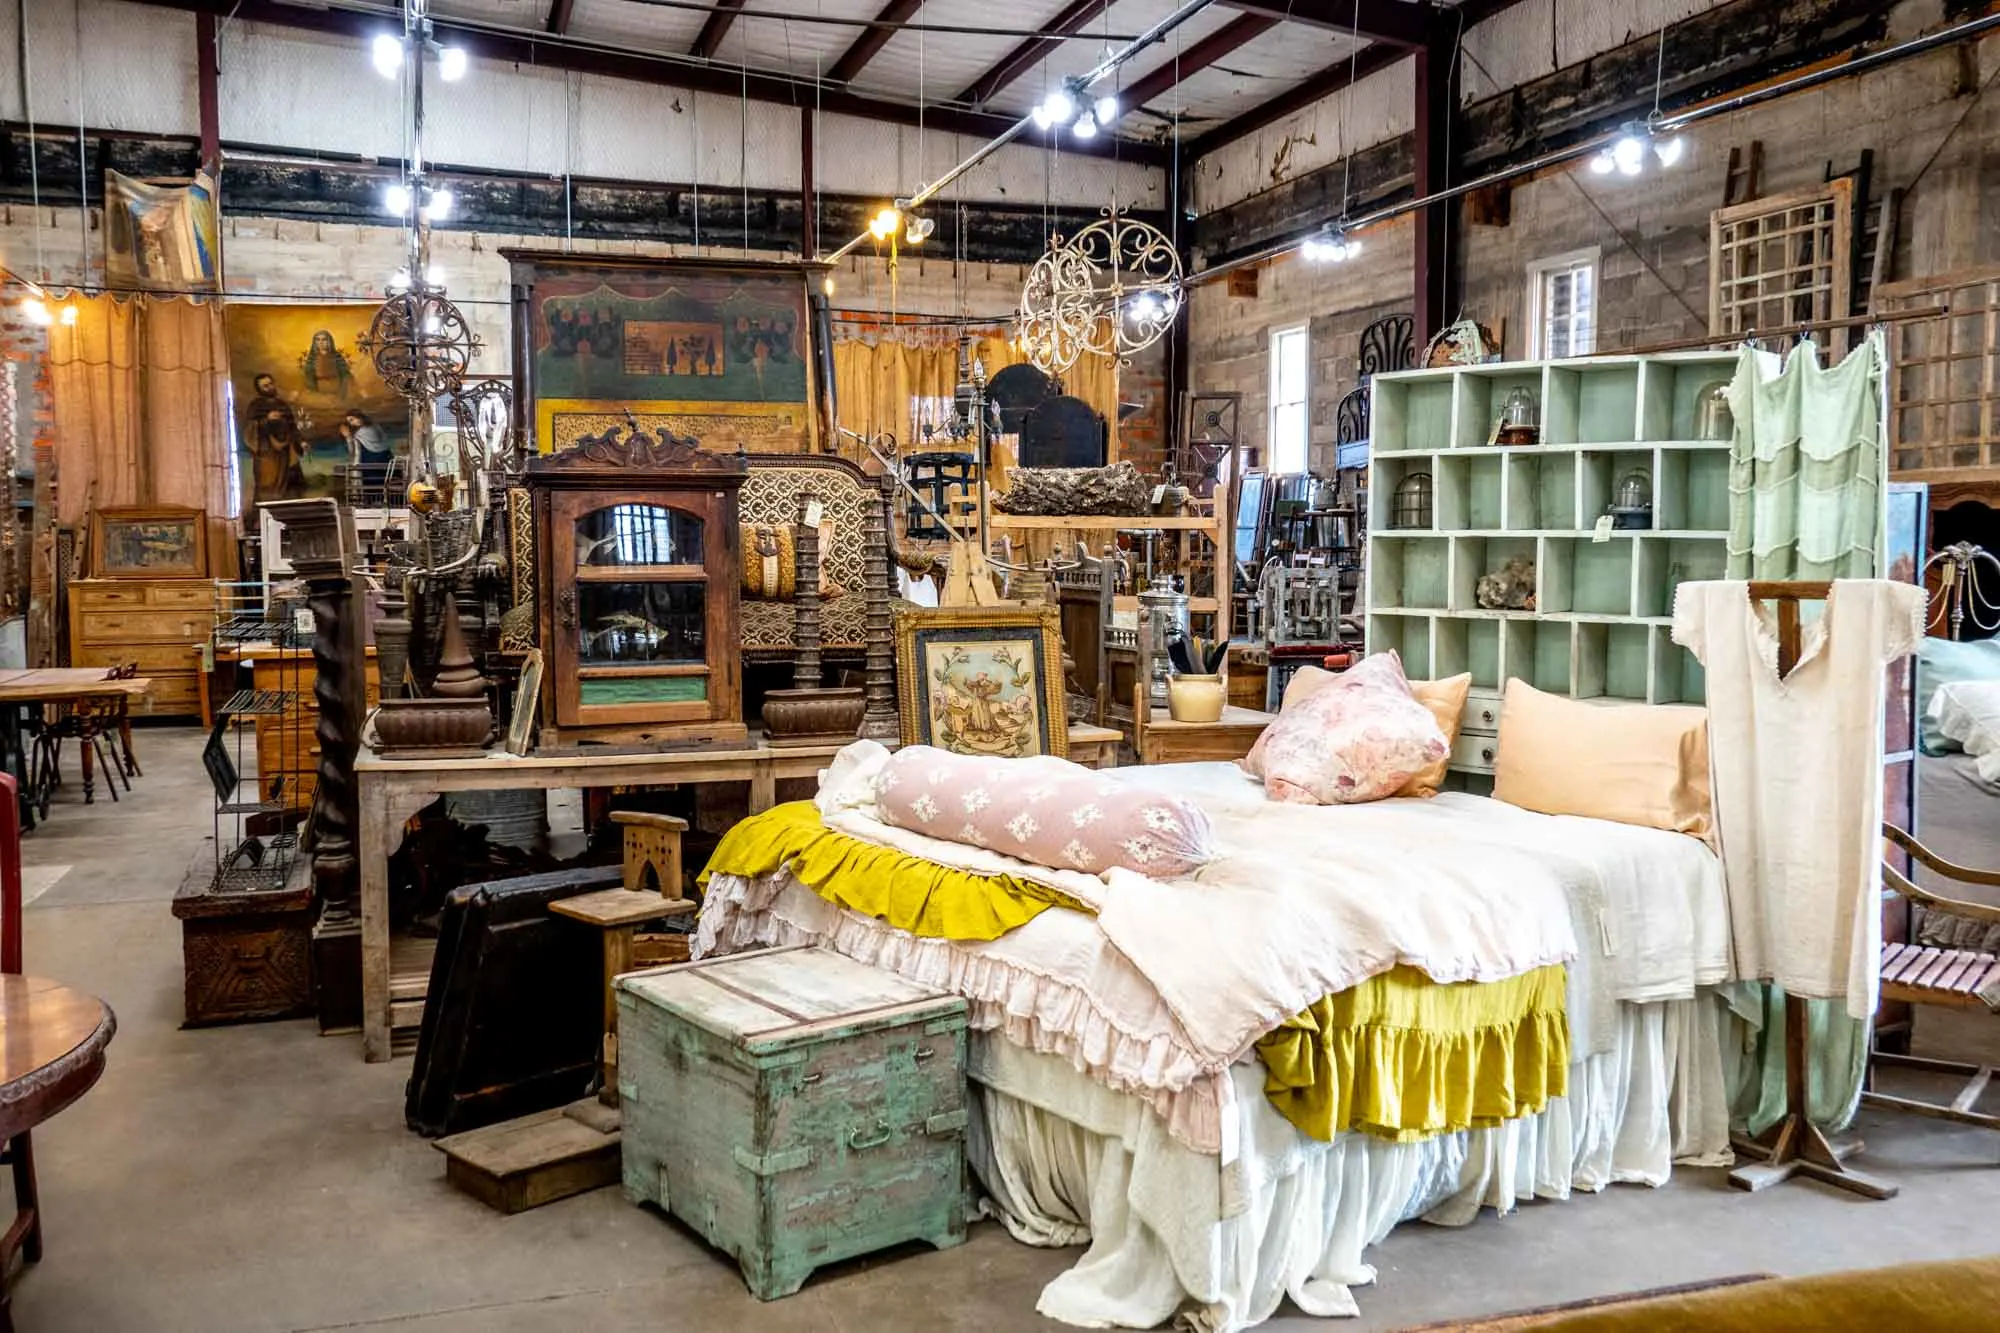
{"points": [[1309, 900]]}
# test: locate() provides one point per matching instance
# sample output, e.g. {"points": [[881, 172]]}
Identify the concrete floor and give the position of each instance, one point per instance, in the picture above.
{"points": [[260, 1178]]}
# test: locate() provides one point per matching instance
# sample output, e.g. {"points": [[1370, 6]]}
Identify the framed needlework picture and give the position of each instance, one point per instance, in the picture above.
{"points": [[981, 680], [159, 542]]}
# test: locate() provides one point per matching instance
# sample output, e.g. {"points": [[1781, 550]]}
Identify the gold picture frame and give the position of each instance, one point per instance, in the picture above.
{"points": [[149, 542], [981, 680]]}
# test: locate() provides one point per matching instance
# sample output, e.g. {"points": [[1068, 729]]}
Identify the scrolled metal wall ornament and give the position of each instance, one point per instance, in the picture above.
{"points": [[1114, 288], [483, 411], [421, 344]]}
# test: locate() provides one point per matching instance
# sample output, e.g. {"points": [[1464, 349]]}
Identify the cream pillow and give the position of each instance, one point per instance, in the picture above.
{"points": [[1445, 698], [1644, 764]]}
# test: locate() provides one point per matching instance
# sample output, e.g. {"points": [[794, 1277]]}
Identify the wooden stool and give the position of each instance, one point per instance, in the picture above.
{"points": [[652, 855]]}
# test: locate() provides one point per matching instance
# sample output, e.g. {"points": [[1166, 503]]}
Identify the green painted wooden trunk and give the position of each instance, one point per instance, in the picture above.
{"points": [[794, 1107]]}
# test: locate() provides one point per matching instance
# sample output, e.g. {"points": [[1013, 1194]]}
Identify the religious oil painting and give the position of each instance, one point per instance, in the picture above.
{"points": [[720, 353], [307, 405], [981, 681]]}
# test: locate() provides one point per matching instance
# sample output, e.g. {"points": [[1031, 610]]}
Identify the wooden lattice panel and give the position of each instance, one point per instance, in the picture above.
{"points": [[1944, 375], [1781, 261]]}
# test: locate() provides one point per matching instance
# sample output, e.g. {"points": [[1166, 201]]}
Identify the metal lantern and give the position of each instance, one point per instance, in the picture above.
{"points": [[1520, 419], [1713, 418], [1413, 501], [1632, 502]]}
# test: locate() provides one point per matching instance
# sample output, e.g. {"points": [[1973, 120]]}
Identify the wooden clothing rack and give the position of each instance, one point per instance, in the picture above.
{"points": [[1795, 1146]]}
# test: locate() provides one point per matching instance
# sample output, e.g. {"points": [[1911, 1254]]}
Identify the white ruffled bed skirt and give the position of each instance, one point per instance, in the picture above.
{"points": [[1065, 1160]]}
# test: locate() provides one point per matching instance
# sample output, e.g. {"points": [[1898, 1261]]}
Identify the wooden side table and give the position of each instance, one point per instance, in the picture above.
{"points": [[618, 913], [1161, 740]]}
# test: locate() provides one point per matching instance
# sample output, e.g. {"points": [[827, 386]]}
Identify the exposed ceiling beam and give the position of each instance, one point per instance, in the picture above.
{"points": [[1030, 53], [560, 13], [1398, 22], [552, 53], [715, 29], [1300, 96], [872, 40], [1197, 57]]}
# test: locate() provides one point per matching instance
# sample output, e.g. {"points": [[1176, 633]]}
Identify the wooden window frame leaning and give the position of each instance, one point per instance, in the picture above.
{"points": [[1944, 376], [1741, 302]]}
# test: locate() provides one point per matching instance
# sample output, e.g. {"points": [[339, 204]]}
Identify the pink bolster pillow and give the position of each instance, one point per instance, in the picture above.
{"points": [[1044, 811]]}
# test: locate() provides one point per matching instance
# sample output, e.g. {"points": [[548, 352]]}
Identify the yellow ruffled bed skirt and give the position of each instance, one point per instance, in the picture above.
{"points": [[1403, 1057], [908, 892]]}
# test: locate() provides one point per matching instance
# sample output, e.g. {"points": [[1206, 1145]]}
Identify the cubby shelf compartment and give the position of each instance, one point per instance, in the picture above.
{"points": [[1601, 627]]}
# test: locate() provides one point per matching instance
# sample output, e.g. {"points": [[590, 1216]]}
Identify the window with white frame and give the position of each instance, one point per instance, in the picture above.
{"points": [[1289, 411], [1562, 306]]}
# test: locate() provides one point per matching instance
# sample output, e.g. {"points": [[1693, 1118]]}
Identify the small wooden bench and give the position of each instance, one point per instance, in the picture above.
{"points": [[1925, 974]]}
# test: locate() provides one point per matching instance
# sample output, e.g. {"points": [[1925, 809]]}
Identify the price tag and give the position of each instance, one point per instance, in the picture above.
{"points": [[814, 512], [1602, 533], [1159, 493]]}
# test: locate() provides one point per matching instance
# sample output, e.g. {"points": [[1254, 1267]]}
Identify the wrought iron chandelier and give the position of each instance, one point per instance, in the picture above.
{"points": [[1114, 288], [421, 343]]}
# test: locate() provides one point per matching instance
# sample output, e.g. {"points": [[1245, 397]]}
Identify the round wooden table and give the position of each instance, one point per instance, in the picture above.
{"points": [[52, 1042]]}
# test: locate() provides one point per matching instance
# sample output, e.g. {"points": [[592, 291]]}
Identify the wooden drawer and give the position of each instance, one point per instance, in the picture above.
{"points": [[197, 595], [154, 659], [102, 596], [1475, 750], [114, 594], [102, 627], [1482, 712]]}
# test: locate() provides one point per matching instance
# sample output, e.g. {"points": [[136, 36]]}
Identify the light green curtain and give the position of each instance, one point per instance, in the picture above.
{"points": [[1753, 1058], [1806, 464]]}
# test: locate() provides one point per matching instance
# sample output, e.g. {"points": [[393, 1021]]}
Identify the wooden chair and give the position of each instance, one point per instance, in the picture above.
{"points": [[1921, 974], [93, 724]]}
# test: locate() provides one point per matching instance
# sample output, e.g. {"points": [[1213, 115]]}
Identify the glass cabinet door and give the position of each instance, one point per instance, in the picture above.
{"points": [[637, 618]]}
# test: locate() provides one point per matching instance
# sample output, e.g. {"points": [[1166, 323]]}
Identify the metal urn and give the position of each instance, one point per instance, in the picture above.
{"points": [[1163, 617]]}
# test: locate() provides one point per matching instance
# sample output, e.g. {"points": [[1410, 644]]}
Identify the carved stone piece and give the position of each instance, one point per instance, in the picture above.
{"points": [[1508, 588], [1117, 489]]}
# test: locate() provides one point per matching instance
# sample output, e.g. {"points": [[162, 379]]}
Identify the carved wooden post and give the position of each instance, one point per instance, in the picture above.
{"points": [[805, 591], [319, 541], [879, 721]]}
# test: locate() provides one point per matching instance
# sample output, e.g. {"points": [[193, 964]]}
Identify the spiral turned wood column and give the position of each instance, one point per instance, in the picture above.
{"points": [[336, 871], [879, 721], [806, 670]]}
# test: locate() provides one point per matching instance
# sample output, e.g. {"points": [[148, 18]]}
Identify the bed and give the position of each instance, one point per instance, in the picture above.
{"points": [[1117, 1101]]}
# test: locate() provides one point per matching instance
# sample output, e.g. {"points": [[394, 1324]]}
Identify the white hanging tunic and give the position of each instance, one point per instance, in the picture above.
{"points": [[1797, 776]]}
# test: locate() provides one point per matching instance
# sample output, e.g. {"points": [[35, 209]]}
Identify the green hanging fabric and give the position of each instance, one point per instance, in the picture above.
{"points": [[1805, 476]]}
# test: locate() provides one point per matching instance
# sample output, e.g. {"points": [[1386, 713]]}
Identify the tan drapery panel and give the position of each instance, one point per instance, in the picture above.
{"points": [[137, 386], [878, 374]]}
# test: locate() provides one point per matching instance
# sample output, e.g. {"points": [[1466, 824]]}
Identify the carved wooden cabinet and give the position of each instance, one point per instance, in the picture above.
{"points": [[638, 581]]}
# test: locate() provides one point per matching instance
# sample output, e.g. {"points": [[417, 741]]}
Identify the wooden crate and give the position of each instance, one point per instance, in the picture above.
{"points": [[794, 1107]]}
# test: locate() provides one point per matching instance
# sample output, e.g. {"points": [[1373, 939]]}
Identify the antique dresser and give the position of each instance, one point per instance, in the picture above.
{"points": [[161, 624], [795, 1107]]}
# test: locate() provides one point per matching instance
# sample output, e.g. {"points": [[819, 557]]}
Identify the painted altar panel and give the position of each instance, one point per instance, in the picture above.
{"points": [[719, 353]]}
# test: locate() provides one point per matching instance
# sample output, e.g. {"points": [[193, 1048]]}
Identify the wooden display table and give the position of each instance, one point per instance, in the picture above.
{"points": [[391, 791], [1161, 740]]}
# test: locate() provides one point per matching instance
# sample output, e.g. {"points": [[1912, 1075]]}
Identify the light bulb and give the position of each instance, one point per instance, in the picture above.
{"points": [[1669, 150], [1142, 307], [1602, 163], [1106, 109], [432, 325], [434, 276], [388, 53], [1086, 126], [918, 230], [827, 284], [885, 224], [69, 313], [451, 63], [1060, 105], [1040, 115], [399, 282], [396, 199], [438, 206], [1629, 154], [37, 312]]}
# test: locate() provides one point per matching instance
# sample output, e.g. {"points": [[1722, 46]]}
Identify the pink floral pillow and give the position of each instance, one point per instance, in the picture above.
{"points": [[1361, 737], [1046, 811]]}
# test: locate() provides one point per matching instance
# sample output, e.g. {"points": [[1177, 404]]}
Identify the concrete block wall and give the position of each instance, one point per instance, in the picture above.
{"points": [[1929, 137]]}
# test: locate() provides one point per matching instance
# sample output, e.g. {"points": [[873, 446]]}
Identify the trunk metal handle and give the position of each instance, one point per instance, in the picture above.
{"points": [[862, 1140]]}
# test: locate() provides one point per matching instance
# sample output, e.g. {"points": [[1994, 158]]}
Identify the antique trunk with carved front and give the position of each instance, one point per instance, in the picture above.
{"points": [[637, 585], [246, 953], [795, 1107]]}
